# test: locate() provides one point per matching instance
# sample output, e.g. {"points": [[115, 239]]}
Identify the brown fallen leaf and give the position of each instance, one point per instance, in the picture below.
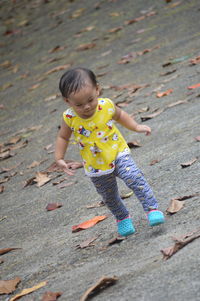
{"points": [[77, 13], [5, 179], [13, 140], [185, 197], [53, 206], [89, 223], [165, 93], [2, 188], [34, 87], [87, 46], [134, 144], [194, 86], [54, 167], [41, 178], [56, 49], [175, 206], [95, 205], [7, 154], [87, 243], [197, 138], [150, 116], [6, 250], [179, 244], [51, 296], [36, 163], [116, 240], [179, 102], [189, 163], [52, 97], [28, 182], [58, 68], [8, 286], [6, 169], [116, 29], [195, 61], [28, 291], [101, 284], [6, 86], [153, 162], [63, 185], [168, 72]]}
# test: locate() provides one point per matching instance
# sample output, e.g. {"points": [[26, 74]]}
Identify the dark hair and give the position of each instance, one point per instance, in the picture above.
{"points": [[74, 79]]}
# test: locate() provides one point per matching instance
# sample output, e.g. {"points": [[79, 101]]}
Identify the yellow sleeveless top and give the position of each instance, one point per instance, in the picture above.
{"points": [[100, 142]]}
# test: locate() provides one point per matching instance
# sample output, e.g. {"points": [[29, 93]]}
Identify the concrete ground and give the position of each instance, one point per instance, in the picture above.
{"points": [[31, 32]]}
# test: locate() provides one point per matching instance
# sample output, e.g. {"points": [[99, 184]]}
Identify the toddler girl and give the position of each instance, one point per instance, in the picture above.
{"points": [[103, 149]]}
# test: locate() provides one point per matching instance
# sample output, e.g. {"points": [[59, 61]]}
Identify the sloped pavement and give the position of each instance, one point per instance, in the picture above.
{"points": [[146, 43]]}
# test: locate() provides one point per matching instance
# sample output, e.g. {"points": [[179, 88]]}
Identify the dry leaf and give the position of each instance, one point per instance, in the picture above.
{"points": [[194, 86], [185, 197], [116, 240], [58, 68], [165, 93], [5, 86], [34, 87], [95, 205], [168, 72], [89, 223], [6, 250], [2, 107], [52, 97], [134, 144], [189, 163], [56, 49], [179, 102], [179, 244], [51, 296], [36, 163], [85, 46], [63, 185], [28, 182], [2, 188], [175, 206], [150, 116], [87, 243], [116, 29], [197, 138], [153, 162], [8, 286], [28, 290], [5, 155], [77, 13], [101, 284], [41, 178], [53, 206], [195, 61]]}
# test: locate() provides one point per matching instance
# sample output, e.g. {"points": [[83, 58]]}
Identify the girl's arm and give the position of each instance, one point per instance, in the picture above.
{"points": [[62, 142], [128, 122]]}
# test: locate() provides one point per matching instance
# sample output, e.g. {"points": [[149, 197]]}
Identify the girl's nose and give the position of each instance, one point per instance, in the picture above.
{"points": [[87, 107]]}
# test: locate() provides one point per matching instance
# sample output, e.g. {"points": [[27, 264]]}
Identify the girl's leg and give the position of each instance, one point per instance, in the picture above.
{"points": [[106, 186], [127, 170]]}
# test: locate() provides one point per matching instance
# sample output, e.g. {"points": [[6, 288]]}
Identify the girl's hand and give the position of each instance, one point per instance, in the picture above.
{"points": [[143, 129], [68, 168]]}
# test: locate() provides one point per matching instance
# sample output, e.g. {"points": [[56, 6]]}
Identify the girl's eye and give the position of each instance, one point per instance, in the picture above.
{"points": [[91, 100], [78, 105]]}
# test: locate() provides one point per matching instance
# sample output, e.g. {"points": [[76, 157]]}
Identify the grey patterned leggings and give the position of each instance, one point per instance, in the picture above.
{"points": [[125, 169]]}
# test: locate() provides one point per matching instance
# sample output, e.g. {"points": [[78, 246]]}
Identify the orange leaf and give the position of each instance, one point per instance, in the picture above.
{"points": [[58, 68], [194, 86], [28, 290], [165, 93], [6, 250], [89, 223]]}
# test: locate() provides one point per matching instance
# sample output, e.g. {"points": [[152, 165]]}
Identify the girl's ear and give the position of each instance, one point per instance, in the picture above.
{"points": [[65, 100], [98, 90]]}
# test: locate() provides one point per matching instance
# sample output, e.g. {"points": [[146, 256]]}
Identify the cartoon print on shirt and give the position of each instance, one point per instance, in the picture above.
{"points": [[102, 101], [83, 131], [112, 164], [69, 114], [81, 145], [104, 139], [95, 150], [99, 108], [92, 169], [115, 137], [110, 124]]}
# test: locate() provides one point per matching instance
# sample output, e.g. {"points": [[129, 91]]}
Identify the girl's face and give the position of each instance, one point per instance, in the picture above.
{"points": [[84, 102]]}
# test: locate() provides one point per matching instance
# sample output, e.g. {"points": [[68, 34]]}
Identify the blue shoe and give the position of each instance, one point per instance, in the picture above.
{"points": [[125, 227], [155, 217]]}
